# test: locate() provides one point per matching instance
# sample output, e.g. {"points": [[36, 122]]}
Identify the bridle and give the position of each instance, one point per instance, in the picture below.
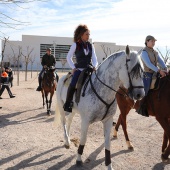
{"points": [[49, 72], [104, 102], [131, 87]]}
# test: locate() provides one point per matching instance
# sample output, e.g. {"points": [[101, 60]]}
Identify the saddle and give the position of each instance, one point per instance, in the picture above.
{"points": [[81, 80], [155, 84]]}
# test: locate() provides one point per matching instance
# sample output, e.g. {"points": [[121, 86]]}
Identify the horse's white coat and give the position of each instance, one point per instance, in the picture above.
{"points": [[112, 72]]}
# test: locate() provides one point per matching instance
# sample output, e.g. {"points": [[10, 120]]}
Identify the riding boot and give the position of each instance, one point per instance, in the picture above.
{"points": [[69, 100], [142, 110], [39, 88]]}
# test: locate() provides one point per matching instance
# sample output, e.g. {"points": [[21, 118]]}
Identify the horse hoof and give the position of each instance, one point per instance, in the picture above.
{"points": [[164, 159], [49, 113], [130, 146], [79, 163], [115, 134], [67, 146]]}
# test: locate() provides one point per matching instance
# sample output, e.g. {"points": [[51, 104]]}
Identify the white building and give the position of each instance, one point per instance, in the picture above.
{"points": [[59, 45]]}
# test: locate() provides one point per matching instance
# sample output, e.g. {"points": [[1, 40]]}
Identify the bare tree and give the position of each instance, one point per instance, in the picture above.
{"points": [[63, 62], [3, 50], [14, 60], [27, 60], [9, 57], [18, 62], [107, 51], [9, 22], [165, 57], [32, 60]]}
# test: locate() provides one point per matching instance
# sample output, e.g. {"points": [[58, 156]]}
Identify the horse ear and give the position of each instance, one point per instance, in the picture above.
{"points": [[140, 51], [127, 50]]}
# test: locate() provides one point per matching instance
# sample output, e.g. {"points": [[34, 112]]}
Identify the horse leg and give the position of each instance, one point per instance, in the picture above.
{"points": [[165, 125], [165, 142], [66, 126], [124, 126], [107, 129], [50, 101], [117, 127], [43, 97], [69, 121], [84, 129], [122, 121], [46, 97]]}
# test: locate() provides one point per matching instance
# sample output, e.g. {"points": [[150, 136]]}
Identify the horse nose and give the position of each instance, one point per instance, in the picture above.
{"points": [[138, 96]]}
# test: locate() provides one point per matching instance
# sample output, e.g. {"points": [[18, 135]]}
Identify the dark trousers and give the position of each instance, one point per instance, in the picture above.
{"points": [[75, 78], [40, 74], [8, 89]]}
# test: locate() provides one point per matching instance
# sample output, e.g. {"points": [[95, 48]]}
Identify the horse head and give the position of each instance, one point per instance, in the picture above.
{"points": [[49, 76], [131, 74]]}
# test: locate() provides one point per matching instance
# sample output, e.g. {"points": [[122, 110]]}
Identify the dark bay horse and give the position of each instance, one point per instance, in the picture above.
{"points": [[48, 86], [158, 102]]}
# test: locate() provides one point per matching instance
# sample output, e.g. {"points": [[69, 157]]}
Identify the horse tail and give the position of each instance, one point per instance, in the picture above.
{"points": [[57, 118], [59, 111]]}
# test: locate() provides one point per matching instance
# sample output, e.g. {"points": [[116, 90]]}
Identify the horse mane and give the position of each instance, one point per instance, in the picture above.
{"points": [[138, 67], [136, 70], [136, 62]]}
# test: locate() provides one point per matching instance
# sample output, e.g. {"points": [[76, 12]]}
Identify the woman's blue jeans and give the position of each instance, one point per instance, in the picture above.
{"points": [[147, 79]]}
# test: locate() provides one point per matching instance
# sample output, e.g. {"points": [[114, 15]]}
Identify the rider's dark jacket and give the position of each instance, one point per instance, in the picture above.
{"points": [[82, 60], [48, 60]]}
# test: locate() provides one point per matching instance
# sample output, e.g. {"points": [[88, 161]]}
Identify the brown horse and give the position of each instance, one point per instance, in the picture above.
{"points": [[158, 102], [48, 86]]}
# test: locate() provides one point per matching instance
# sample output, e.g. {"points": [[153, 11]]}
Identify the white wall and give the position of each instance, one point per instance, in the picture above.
{"points": [[35, 41]]}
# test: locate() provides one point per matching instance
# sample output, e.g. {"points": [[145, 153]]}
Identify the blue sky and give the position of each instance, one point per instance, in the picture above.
{"points": [[120, 21]]}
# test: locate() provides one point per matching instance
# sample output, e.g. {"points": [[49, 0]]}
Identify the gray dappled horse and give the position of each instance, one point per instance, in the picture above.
{"points": [[99, 102]]}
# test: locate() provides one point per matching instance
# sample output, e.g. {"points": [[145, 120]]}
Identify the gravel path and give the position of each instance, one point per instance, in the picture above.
{"points": [[29, 141]]}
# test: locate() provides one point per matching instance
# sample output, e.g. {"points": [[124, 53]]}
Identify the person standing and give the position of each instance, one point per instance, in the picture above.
{"points": [[10, 75], [5, 84]]}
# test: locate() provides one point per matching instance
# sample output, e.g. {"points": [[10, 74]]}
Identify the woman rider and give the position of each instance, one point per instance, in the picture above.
{"points": [[85, 55], [150, 59]]}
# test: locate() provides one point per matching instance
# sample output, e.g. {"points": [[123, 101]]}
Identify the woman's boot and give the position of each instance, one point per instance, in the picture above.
{"points": [[69, 100]]}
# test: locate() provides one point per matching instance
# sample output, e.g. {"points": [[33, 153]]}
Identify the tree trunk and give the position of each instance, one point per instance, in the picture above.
{"points": [[18, 72], [26, 68], [31, 70]]}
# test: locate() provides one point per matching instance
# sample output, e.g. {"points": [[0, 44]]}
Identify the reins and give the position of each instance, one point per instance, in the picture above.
{"points": [[130, 81], [107, 85], [106, 104]]}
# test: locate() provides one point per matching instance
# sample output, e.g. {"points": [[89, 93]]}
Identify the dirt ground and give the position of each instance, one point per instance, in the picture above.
{"points": [[29, 141]]}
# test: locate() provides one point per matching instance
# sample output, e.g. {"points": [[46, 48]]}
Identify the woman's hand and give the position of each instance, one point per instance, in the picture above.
{"points": [[94, 69], [162, 73], [73, 70]]}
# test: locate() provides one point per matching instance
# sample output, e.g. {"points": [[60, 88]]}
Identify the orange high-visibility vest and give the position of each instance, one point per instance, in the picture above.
{"points": [[4, 74]]}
